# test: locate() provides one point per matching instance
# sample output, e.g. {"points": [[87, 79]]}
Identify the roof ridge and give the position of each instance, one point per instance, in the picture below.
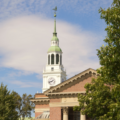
{"points": [[70, 80]]}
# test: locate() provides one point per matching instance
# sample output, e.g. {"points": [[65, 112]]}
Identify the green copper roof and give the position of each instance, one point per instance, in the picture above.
{"points": [[54, 49], [55, 38]]}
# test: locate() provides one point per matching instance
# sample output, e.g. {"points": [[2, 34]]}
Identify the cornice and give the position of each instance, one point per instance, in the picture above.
{"points": [[49, 72], [81, 76], [65, 94], [40, 101]]}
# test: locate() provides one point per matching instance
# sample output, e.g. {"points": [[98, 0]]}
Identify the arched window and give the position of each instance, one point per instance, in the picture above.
{"points": [[48, 59], [60, 59], [57, 58], [52, 59]]}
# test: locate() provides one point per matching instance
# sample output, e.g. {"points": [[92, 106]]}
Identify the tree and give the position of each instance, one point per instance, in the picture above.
{"points": [[7, 104], [25, 106], [13, 106], [17, 101], [96, 100], [102, 99]]}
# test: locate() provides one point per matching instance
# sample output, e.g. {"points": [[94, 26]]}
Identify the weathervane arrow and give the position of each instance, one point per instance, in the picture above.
{"points": [[55, 9]]}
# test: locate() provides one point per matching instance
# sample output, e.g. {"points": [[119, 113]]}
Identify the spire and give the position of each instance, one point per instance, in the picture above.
{"points": [[54, 38], [54, 33], [55, 24]]}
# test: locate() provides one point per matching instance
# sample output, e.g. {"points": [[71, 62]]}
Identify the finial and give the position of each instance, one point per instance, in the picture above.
{"points": [[55, 9]]}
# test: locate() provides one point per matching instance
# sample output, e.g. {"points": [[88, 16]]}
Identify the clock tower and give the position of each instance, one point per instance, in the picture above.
{"points": [[54, 72]]}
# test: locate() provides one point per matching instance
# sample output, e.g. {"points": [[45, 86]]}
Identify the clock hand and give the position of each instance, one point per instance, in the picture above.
{"points": [[51, 81]]}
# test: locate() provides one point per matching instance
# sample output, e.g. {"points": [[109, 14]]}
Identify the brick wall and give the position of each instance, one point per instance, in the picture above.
{"points": [[37, 114], [42, 106], [37, 95], [55, 113], [78, 86]]}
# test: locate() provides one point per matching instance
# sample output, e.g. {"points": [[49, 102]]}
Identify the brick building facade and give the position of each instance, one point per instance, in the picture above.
{"points": [[60, 99]]}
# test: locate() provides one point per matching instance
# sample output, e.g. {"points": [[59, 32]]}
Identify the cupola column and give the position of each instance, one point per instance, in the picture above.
{"points": [[48, 59]]}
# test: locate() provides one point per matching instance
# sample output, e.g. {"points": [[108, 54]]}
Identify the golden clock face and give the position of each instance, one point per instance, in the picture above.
{"points": [[51, 81]]}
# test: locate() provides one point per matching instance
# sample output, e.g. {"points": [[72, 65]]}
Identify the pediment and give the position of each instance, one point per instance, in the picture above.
{"points": [[73, 82]]}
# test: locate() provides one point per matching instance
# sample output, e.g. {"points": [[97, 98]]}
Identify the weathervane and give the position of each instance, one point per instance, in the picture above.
{"points": [[55, 9]]}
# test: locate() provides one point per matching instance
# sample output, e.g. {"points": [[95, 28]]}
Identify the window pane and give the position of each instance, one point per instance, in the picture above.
{"points": [[57, 58], [52, 59]]}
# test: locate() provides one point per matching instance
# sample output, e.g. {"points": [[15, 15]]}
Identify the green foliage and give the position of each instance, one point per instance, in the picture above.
{"points": [[13, 106], [110, 54], [7, 104], [96, 100], [102, 99], [25, 106]]}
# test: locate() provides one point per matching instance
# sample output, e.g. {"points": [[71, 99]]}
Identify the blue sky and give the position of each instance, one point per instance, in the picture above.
{"points": [[26, 28]]}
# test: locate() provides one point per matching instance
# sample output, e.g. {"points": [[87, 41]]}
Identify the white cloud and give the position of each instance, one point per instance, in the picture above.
{"points": [[24, 42], [20, 73], [27, 84]]}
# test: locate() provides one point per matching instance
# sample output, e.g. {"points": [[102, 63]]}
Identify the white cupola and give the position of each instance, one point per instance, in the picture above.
{"points": [[54, 72]]}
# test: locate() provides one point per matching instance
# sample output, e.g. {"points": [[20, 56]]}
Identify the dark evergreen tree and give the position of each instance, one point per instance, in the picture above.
{"points": [[7, 104]]}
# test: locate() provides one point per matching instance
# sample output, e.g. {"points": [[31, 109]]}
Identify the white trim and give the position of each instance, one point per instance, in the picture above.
{"points": [[41, 109]]}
